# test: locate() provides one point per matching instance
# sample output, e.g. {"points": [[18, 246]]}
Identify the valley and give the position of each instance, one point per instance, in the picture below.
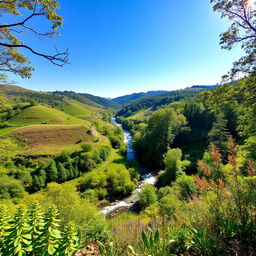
{"points": [[125, 130], [153, 158]]}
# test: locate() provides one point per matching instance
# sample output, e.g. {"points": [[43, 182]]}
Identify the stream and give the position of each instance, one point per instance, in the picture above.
{"points": [[147, 178]]}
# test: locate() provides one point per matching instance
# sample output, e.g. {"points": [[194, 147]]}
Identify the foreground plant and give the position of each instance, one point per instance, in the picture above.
{"points": [[32, 232], [151, 245]]}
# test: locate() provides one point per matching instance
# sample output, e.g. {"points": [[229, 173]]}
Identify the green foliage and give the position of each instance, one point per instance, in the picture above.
{"points": [[62, 172], [86, 147], [202, 241], [153, 245], [8, 149], [156, 101], [11, 58], [173, 166], [32, 232], [187, 186], [161, 130], [169, 204], [10, 188], [33, 102], [147, 196], [219, 135], [241, 15], [73, 208], [109, 250], [52, 172]]}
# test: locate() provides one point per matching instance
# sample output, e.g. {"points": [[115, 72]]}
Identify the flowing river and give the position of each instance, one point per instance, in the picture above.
{"points": [[147, 178]]}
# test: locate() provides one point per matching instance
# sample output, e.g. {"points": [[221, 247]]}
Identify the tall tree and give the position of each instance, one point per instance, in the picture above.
{"points": [[62, 172], [17, 17], [242, 14], [219, 134], [163, 126], [52, 172]]}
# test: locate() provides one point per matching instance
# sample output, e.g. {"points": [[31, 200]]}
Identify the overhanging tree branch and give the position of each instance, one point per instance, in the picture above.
{"points": [[59, 59]]}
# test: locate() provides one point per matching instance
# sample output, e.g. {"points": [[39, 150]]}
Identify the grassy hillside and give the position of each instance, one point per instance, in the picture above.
{"points": [[89, 99], [13, 88], [102, 101], [41, 115], [81, 110], [53, 139], [56, 99]]}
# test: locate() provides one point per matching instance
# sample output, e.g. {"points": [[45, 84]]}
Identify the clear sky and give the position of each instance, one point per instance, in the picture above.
{"points": [[119, 47]]}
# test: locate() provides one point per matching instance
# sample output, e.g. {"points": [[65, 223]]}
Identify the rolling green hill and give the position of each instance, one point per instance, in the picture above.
{"points": [[53, 139], [89, 99], [13, 88], [82, 110], [42, 115], [102, 101]]}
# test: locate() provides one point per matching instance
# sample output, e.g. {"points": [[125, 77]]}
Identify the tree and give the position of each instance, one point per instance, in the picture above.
{"points": [[62, 172], [8, 149], [52, 172], [242, 14], [163, 126], [219, 134], [18, 19], [173, 166]]}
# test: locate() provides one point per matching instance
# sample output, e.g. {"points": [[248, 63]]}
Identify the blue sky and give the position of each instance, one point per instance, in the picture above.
{"points": [[124, 46]]}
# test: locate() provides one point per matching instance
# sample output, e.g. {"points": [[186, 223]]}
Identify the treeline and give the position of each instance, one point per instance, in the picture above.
{"points": [[192, 124], [157, 101], [53, 100], [212, 137], [26, 174]]}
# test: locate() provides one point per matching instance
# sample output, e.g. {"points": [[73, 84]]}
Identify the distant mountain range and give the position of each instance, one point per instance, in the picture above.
{"points": [[97, 101], [126, 99]]}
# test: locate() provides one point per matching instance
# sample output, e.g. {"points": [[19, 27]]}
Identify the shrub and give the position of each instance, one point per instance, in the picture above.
{"points": [[5, 125], [186, 186], [147, 196], [10, 188], [86, 147], [164, 191]]}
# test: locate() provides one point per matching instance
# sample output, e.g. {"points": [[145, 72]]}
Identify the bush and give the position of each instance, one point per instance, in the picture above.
{"points": [[10, 188], [147, 196], [5, 125], [186, 185], [86, 147], [162, 192]]}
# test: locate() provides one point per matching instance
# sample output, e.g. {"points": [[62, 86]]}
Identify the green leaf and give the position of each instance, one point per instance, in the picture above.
{"points": [[51, 250], [145, 240], [157, 237]]}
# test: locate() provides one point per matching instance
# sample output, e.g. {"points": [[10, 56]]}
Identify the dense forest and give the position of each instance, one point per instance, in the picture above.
{"points": [[65, 174]]}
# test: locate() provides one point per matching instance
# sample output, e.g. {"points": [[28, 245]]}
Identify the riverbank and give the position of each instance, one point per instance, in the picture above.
{"points": [[148, 178]]}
